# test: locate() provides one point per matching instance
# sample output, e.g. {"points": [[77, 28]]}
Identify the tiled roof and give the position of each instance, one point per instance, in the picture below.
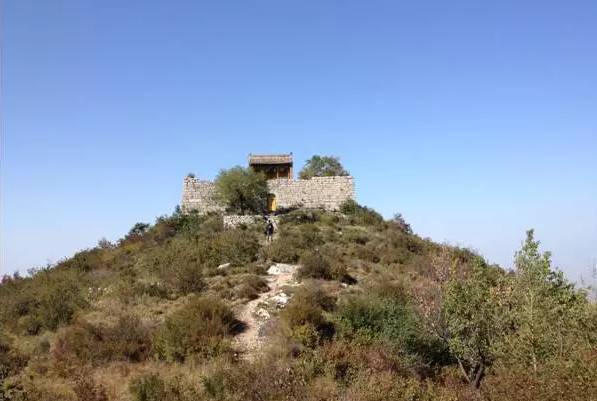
{"points": [[270, 159]]}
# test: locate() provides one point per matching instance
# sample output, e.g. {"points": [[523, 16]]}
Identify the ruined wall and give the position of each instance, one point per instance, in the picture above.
{"points": [[236, 220], [318, 192], [199, 195]]}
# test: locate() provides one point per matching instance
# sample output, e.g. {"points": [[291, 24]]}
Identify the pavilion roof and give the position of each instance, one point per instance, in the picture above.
{"points": [[270, 159]]}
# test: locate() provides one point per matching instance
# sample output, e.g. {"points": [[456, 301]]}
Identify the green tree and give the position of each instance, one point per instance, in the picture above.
{"points": [[471, 316], [242, 190], [322, 166], [547, 316]]}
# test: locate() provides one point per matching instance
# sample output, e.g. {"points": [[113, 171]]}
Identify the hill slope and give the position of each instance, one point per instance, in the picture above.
{"points": [[186, 310]]}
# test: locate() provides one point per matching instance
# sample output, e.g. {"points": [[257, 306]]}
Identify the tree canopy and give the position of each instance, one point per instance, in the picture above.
{"points": [[242, 190], [322, 166]]}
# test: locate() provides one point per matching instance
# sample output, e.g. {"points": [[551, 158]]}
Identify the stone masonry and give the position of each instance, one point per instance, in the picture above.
{"points": [[318, 192], [199, 195]]}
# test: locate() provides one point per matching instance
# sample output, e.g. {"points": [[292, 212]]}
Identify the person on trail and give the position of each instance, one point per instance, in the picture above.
{"points": [[269, 230]]}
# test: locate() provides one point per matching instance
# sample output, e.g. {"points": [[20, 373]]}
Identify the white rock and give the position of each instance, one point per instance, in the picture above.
{"points": [[223, 266], [262, 313], [281, 299], [281, 268]]}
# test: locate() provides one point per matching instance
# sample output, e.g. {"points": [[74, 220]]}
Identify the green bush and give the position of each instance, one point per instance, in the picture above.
{"points": [[199, 328], [11, 361], [148, 388], [292, 241], [182, 263], [237, 247], [47, 300], [317, 265], [83, 343], [282, 251], [86, 260], [303, 318], [186, 279], [251, 287], [383, 313], [361, 215], [301, 216], [194, 225], [153, 387]]}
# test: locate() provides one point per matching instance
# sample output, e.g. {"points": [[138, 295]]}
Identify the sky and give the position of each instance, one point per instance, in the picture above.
{"points": [[475, 120]]}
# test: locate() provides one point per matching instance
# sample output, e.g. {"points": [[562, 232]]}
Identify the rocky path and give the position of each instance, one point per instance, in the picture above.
{"points": [[256, 313]]}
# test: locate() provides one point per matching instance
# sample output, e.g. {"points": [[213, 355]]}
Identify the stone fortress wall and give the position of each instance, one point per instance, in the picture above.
{"points": [[318, 192], [199, 195]]}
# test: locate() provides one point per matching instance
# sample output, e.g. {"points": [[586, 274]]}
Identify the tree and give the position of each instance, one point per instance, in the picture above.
{"points": [[242, 190], [138, 230], [547, 315], [322, 166], [472, 321], [401, 224]]}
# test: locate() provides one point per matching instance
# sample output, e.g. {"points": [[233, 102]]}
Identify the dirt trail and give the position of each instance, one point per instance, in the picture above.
{"points": [[255, 314]]}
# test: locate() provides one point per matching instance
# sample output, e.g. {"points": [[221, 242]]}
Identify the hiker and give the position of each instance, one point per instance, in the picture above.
{"points": [[269, 230]]}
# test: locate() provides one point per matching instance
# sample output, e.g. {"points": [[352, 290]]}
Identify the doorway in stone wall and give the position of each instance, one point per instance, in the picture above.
{"points": [[271, 203]]}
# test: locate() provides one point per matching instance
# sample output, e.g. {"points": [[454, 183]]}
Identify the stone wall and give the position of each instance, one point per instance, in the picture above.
{"points": [[199, 195], [318, 192], [236, 220]]}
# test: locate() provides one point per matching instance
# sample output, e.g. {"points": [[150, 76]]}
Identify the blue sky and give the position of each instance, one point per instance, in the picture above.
{"points": [[476, 120]]}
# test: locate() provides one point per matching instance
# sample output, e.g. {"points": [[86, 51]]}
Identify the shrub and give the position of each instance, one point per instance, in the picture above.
{"points": [[48, 299], [400, 224], [292, 241], [266, 379], [200, 328], [11, 361], [237, 247], [357, 236], [182, 263], [185, 279], [87, 260], [58, 300], [251, 286], [381, 314], [87, 390], [128, 340], [282, 251], [569, 377], [37, 388], [309, 236], [148, 388], [194, 225], [316, 265], [387, 386], [152, 387], [361, 215], [301, 216], [136, 232], [303, 317]]}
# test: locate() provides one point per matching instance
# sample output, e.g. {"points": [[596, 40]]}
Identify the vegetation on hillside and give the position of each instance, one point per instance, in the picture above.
{"points": [[381, 314]]}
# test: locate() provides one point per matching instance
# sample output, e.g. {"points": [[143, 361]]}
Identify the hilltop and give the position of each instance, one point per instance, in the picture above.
{"points": [[339, 306]]}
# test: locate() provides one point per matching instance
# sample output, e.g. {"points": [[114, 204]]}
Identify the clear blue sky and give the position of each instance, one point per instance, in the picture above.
{"points": [[476, 120]]}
